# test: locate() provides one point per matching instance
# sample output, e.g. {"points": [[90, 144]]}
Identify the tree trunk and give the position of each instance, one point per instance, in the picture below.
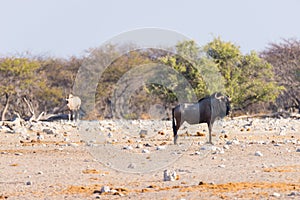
{"points": [[6, 107]]}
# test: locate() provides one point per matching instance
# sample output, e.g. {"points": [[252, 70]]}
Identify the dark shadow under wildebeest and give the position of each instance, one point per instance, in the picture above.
{"points": [[206, 110]]}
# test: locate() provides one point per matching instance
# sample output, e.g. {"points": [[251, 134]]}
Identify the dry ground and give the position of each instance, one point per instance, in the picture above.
{"points": [[36, 164]]}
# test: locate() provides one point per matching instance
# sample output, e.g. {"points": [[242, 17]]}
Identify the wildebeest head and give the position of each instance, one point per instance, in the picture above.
{"points": [[223, 99]]}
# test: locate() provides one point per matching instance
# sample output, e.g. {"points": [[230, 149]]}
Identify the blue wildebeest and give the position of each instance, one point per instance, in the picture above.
{"points": [[206, 110], [73, 103]]}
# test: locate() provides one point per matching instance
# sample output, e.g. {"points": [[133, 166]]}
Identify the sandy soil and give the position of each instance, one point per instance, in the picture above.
{"points": [[250, 159]]}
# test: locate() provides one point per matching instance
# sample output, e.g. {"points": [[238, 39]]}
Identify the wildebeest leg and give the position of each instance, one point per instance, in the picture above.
{"points": [[209, 124], [177, 125]]}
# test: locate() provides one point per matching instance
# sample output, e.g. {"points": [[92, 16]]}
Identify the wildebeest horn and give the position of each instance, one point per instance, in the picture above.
{"points": [[219, 97]]}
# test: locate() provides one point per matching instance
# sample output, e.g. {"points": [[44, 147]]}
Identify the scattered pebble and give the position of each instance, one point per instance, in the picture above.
{"points": [[298, 150], [275, 194], [48, 131], [72, 144], [105, 189], [128, 147], [28, 183], [145, 151], [161, 148], [221, 166], [258, 153], [170, 175], [132, 166], [110, 135], [294, 194]]}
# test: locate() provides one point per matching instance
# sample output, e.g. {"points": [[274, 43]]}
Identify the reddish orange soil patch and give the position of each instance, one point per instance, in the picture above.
{"points": [[90, 189], [200, 134], [202, 187], [234, 187], [294, 168], [39, 142], [3, 197], [93, 171]]}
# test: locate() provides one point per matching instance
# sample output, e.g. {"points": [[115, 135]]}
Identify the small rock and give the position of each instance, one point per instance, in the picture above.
{"points": [[28, 183], [73, 144], [294, 194], [40, 173], [161, 148], [221, 166], [132, 166], [105, 189], [258, 153], [145, 151], [298, 150], [18, 154], [113, 191], [226, 146], [110, 135], [143, 133], [138, 146], [128, 147], [264, 165], [48, 131], [170, 175], [275, 194]]}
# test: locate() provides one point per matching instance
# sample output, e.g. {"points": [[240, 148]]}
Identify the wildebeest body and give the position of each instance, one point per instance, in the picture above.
{"points": [[206, 110]]}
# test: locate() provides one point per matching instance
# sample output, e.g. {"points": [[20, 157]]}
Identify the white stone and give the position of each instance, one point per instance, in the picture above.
{"points": [[221, 166], [128, 147], [145, 151], [161, 148], [113, 191], [105, 189], [170, 175], [275, 194], [226, 146], [72, 144], [258, 153]]}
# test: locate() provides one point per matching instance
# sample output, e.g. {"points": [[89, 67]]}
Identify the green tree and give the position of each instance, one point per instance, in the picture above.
{"points": [[248, 78], [30, 85], [18, 76]]}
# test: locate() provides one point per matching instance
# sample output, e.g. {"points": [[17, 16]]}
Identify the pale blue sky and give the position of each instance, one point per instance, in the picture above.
{"points": [[68, 27]]}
